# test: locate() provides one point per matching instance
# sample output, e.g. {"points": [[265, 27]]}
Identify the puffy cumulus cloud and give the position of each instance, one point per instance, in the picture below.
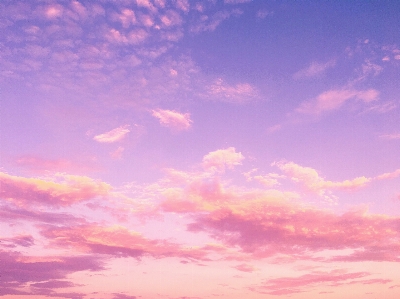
{"points": [[32, 191], [172, 119], [27, 274], [334, 99], [221, 159], [117, 242], [314, 69], [114, 135], [239, 93], [290, 285]]}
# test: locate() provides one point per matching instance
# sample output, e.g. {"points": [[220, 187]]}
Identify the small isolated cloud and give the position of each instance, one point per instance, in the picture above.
{"points": [[334, 99], [113, 135], [390, 136], [117, 154], [220, 159], [172, 119], [239, 93], [245, 268], [314, 69]]}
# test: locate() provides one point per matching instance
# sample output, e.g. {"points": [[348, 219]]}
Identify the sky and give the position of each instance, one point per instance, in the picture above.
{"points": [[199, 149]]}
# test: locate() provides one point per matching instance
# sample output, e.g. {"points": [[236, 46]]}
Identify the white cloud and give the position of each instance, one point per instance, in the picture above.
{"points": [[222, 158], [172, 119], [113, 135]]}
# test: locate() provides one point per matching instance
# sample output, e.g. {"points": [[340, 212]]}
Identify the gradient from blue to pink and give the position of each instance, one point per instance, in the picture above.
{"points": [[199, 149]]}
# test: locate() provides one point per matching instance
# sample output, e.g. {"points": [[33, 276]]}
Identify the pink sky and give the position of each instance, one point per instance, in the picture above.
{"points": [[199, 149]]}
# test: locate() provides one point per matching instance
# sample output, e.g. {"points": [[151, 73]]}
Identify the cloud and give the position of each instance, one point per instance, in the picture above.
{"points": [[221, 159], [37, 164], [236, 1], [172, 119], [314, 69], [392, 136], [116, 241], [21, 240], [18, 271], [210, 23], [290, 285], [311, 180], [266, 225], [239, 93], [114, 135], [334, 99], [245, 268], [32, 191], [117, 154]]}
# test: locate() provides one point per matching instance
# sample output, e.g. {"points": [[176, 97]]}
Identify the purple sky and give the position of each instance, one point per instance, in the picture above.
{"points": [[199, 149]]}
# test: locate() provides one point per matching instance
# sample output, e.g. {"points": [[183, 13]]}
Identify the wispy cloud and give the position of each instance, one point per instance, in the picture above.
{"points": [[290, 285], [173, 119], [240, 93], [334, 99], [114, 135], [314, 69], [392, 136]]}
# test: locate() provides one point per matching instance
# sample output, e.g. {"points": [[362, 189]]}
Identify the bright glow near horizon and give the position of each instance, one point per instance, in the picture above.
{"points": [[199, 149]]}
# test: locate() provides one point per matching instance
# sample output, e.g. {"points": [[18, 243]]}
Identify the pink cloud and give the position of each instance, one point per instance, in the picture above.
{"points": [[117, 241], [71, 189], [267, 226], [221, 159], [239, 93], [37, 164], [117, 154], [391, 136], [172, 119], [113, 135], [19, 272], [334, 99], [245, 268], [289, 285]]}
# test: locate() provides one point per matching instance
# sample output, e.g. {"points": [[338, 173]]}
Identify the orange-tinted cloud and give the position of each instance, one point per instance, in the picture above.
{"points": [[33, 191]]}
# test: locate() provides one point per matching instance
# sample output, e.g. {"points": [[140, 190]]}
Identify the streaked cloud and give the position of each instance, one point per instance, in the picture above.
{"points": [[68, 190], [173, 119], [314, 69], [114, 135], [334, 99]]}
